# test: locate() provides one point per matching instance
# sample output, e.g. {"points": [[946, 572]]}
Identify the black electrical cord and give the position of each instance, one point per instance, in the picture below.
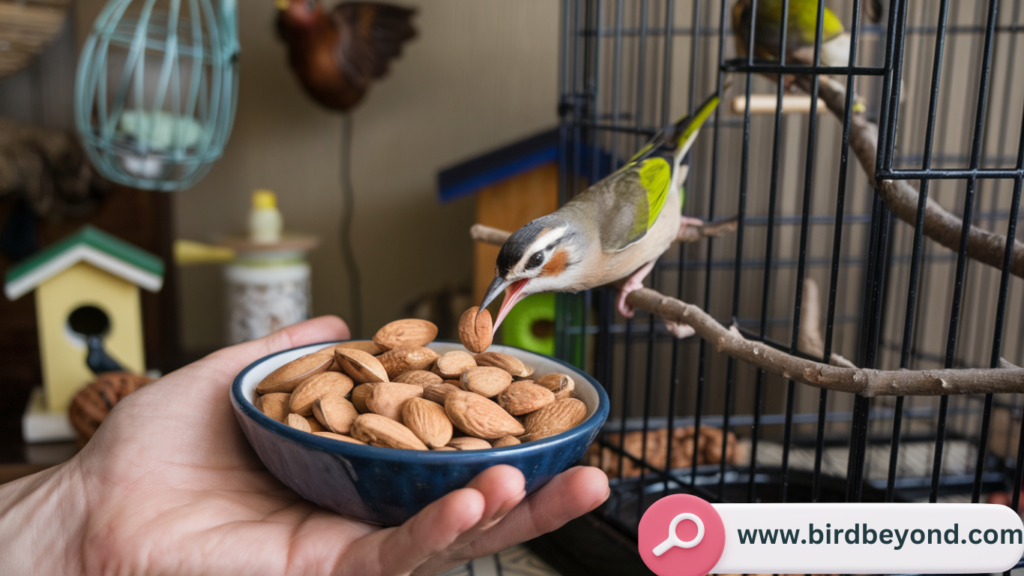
{"points": [[355, 298]]}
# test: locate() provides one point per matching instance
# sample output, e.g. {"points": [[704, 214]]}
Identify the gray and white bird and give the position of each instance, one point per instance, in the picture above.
{"points": [[614, 230]]}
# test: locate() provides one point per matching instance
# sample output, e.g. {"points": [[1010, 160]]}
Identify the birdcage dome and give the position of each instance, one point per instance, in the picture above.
{"points": [[156, 88]]}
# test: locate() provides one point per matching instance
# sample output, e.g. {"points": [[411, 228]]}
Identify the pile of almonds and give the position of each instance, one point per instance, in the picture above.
{"points": [[395, 392]]}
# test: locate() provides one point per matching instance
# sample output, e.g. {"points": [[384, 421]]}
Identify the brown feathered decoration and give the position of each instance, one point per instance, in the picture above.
{"points": [[337, 55]]}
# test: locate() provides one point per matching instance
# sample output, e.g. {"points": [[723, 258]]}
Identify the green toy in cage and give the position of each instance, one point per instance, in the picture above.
{"points": [[156, 89], [531, 324]]}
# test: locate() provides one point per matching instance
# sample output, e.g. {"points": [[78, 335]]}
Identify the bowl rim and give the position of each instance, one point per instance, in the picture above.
{"points": [[245, 406]]}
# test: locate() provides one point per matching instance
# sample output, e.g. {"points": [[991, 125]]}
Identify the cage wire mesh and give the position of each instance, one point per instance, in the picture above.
{"points": [[939, 78]]}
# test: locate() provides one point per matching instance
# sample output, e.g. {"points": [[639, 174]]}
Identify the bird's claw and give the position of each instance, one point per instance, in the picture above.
{"points": [[620, 301], [679, 330], [685, 221]]}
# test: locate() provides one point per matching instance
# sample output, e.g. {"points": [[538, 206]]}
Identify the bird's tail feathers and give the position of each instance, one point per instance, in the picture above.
{"points": [[682, 133], [687, 128]]}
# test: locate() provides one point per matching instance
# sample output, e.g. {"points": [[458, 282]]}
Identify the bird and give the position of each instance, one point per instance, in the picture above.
{"points": [[337, 55], [614, 230], [801, 30]]}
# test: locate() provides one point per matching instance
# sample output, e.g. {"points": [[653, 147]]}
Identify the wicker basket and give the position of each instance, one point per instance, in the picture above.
{"points": [[26, 27]]}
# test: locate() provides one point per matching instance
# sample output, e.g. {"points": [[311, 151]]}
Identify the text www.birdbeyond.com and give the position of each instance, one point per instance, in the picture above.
{"points": [[863, 534]]}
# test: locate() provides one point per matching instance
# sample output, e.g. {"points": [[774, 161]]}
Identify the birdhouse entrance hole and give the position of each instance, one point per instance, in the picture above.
{"points": [[86, 321]]}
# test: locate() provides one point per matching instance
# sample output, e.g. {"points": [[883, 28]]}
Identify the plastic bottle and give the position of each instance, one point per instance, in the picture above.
{"points": [[264, 220]]}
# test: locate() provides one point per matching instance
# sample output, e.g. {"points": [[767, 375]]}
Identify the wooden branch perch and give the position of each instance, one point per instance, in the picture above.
{"points": [[859, 381], [901, 198], [842, 375], [689, 233]]}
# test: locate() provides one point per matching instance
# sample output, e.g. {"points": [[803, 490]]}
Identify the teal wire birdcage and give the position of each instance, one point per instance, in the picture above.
{"points": [[156, 88]]}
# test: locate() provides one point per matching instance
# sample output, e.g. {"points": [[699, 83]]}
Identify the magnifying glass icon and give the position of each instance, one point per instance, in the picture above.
{"points": [[674, 540]]}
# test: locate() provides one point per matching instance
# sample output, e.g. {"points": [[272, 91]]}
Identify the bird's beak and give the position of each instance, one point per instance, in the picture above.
{"points": [[513, 294]]}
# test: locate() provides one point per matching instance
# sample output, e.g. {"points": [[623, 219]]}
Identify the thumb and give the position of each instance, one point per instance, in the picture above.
{"points": [[398, 551]]}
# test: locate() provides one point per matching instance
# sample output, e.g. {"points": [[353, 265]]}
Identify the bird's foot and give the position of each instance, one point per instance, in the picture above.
{"points": [[685, 221], [679, 330], [633, 283]]}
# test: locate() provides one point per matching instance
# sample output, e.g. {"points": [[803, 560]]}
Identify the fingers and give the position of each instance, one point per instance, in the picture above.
{"points": [[234, 358], [569, 495], [397, 551], [503, 488]]}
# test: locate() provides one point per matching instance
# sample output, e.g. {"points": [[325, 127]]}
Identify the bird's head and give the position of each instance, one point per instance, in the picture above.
{"points": [[542, 256], [298, 12]]}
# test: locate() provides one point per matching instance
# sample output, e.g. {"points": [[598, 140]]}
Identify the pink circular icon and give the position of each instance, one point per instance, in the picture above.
{"points": [[681, 535]]}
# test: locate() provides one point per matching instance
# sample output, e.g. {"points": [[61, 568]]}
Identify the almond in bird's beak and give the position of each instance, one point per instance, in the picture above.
{"points": [[513, 294]]}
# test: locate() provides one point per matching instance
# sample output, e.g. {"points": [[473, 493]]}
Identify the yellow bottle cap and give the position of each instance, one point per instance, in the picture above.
{"points": [[264, 199]]}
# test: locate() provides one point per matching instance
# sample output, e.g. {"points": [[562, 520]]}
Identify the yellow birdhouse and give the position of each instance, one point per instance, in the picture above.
{"points": [[87, 285]]}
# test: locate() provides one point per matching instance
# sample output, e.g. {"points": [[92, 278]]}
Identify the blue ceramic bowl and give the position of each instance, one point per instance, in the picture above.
{"points": [[386, 485]]}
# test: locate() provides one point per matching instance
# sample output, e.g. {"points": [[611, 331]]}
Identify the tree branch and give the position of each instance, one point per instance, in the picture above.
{"points": [[842, 375], [856, 380], [901, 198]]}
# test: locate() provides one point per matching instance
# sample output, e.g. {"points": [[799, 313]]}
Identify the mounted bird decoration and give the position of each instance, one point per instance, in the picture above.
{"points": [[337, 54]]}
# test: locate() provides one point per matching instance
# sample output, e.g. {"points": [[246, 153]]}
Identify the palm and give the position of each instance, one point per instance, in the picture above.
{"points": [[172, 486]]}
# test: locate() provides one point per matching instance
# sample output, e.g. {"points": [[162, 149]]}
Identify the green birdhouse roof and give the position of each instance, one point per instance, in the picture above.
{"points": [[91, 245]]}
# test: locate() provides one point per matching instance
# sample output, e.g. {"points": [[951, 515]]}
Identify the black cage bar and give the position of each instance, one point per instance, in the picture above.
{"points": [[940, 80]]}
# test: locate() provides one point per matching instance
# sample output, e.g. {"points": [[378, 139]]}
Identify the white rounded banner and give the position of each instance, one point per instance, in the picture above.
{"points": [[869, 538]]}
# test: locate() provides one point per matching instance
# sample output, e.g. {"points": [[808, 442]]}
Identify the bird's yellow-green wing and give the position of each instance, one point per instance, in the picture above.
{"points": [[625, 205], [655, 175]]}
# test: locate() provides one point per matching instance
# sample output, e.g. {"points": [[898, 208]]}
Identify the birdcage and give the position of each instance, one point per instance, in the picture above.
{"points": [[156, 88], [820, 263]]}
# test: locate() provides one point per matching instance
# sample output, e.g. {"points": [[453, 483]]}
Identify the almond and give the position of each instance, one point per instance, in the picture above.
{"points": [[360, 366], [524, 397], [407, 333], [359, 395], [387, 398], [340, 437], [476, 330], [298, 422], [399, 360], [510, 364], [419, 377], [314, 425], [486, 381], [377, 430], [318, 386], [469, 443], [452, 364], [439, 392], [480, 417], [554, 418], [288, 377], [275, 405], [365, 345], [505, 441], [445, 449], [428, 421], [335, 413], [561, 384]]}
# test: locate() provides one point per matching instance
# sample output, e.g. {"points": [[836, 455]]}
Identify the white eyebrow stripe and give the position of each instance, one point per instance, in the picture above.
{"points": [[542, 242]]}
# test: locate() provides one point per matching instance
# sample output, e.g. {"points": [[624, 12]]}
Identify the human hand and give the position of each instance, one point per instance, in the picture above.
{"points": [[169, 485]]}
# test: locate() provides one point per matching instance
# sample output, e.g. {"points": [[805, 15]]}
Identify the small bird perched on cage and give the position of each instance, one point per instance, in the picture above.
{"points": [[801, 30], [336, 55], [614, 230]]}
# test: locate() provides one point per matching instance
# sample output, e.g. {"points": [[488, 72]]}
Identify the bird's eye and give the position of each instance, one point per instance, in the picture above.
{"points": [[535, 260]]}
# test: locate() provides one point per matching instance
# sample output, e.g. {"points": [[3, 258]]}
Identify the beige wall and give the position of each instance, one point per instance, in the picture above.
{"points": [[480, 74]]}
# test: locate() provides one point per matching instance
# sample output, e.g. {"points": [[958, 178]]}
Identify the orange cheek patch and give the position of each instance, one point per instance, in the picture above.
{"points": [[556, 265]]}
